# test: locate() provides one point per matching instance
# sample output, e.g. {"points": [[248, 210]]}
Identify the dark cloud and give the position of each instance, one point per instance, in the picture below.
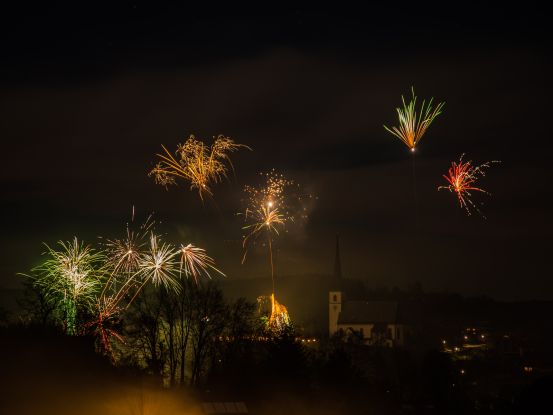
{"points": [[77, 150]]}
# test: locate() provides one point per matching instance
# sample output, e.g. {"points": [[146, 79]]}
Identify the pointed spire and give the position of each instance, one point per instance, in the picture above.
{"points": [[337, 263]]}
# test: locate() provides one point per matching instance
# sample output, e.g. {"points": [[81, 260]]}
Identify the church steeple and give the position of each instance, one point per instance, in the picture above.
{"points": [[335, 292], [337, 262], [337, 276]]}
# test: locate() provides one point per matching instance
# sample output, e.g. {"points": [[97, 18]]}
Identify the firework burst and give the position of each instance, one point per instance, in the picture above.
{"points": [[157, 264], [124, 254], [462, 177], [134, 261], [199, 164], [123, 259], [263, 218], [413, 125], [269, 207], [104, 326], [71, 277], [196, 263]]}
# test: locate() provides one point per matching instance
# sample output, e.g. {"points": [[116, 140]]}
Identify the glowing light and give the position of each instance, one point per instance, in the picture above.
{"points": [[413, 125], [197, 163], [461, 178], [279, 318]]}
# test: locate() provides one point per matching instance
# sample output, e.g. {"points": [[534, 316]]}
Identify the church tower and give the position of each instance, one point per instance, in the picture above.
{"points": [[335, 292]]}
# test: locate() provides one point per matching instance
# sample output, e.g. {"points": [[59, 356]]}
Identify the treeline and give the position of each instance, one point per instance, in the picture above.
{"points": [[195, 339], [173, 335]]}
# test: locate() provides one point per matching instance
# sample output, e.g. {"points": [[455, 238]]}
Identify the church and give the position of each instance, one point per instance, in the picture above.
{"points": [[372, 322]]}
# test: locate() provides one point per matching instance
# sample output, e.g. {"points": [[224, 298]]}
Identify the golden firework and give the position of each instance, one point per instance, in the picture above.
{"points": [[199, 164], [278, 318], [268, 209], [196, 262]]}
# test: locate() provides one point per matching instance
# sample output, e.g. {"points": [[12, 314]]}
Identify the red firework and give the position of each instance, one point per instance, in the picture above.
{"points": [[461, 178]]}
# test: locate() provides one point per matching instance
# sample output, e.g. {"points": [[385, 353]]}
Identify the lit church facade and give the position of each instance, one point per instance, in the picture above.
{"points": [[372, 322]]}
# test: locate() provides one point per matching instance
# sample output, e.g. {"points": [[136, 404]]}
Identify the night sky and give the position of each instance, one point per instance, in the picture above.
{"points": [[89, 94]]}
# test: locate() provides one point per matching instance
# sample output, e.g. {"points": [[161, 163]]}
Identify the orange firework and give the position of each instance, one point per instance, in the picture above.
{"points": [[278, 317], [201, 165], [462, 177]]}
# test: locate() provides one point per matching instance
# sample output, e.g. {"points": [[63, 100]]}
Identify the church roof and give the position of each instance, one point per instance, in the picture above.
{"points": [[363, 312]]}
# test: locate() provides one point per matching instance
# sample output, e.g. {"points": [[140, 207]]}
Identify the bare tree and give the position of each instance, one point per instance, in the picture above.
{"points": [[37, 308], [208, 323], [145, 330]]}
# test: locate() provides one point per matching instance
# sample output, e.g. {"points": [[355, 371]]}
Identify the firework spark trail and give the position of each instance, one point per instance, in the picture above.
{"points": [[269, 208], [103, 326], [411, 129], [413, 126], [72, 276], [263, 210], [199, 164], [196, 262], [157, 265], [278, 316], [76, 277], [462, 177], [134, 261], [124, 257], [265, 219], [123, 262]]}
